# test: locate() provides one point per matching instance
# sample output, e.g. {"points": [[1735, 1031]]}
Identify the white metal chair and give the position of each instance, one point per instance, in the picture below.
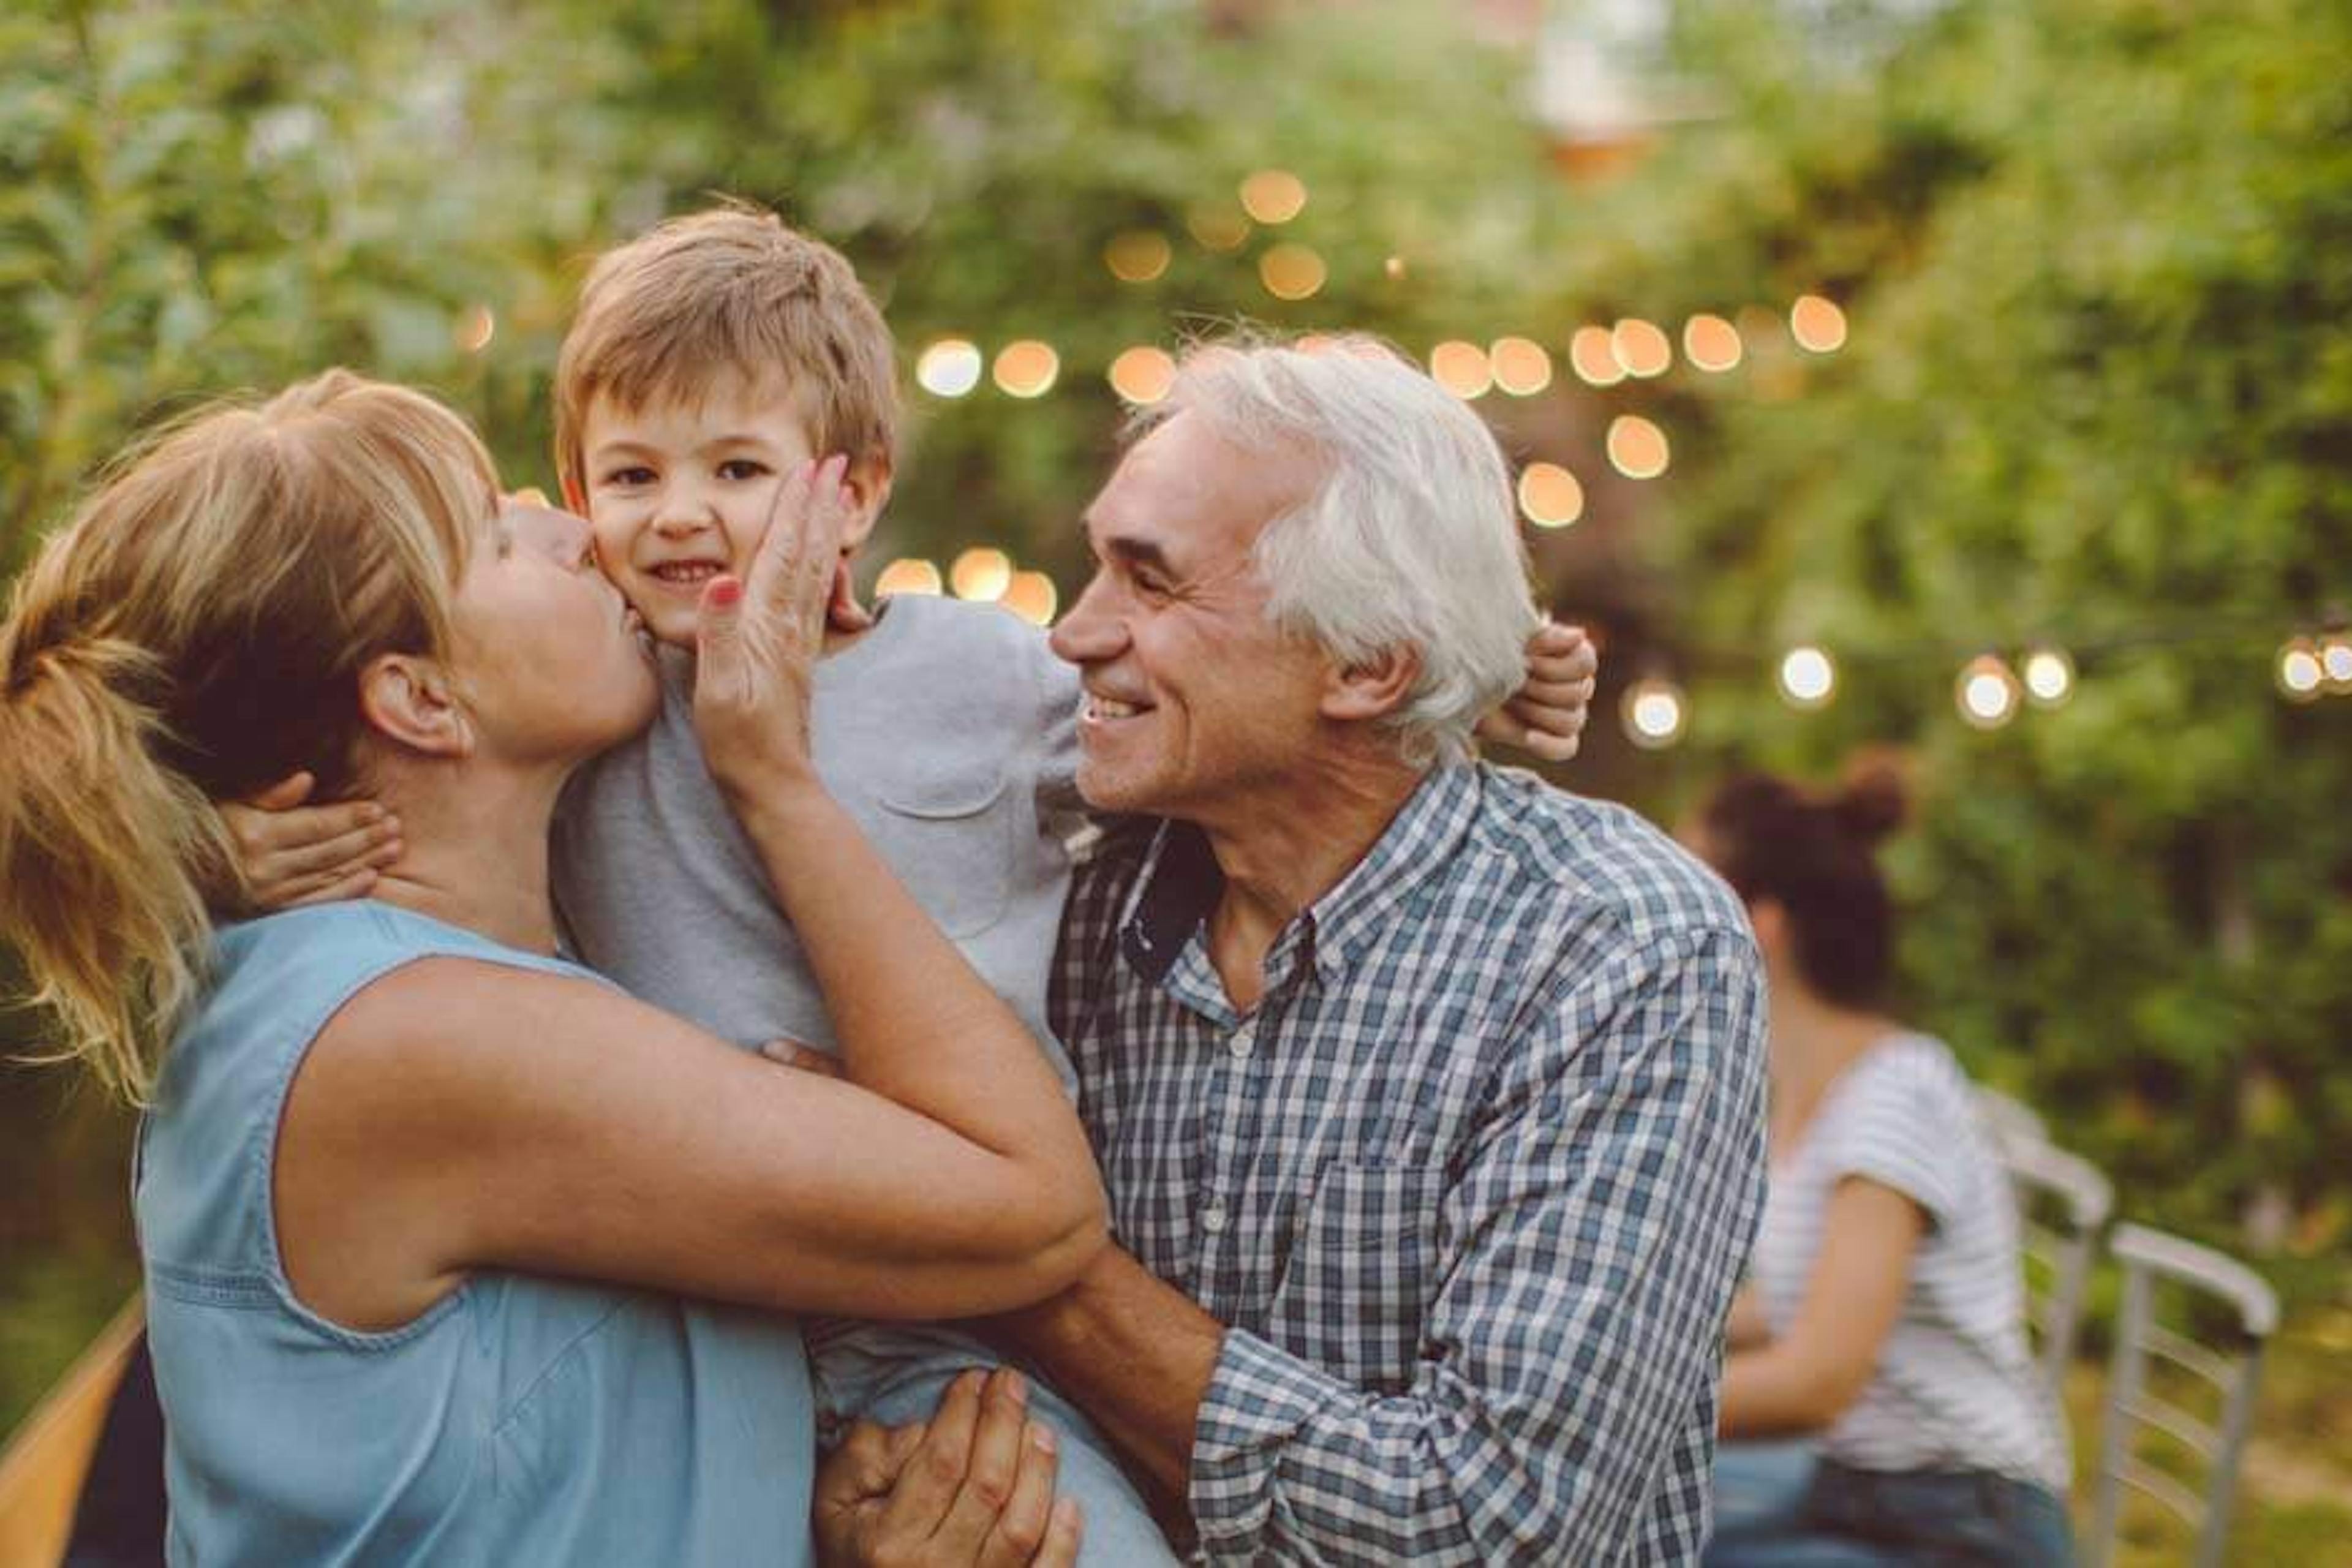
{"points": [[2062, 1204], [2009, 1120], [2137, 1405]]}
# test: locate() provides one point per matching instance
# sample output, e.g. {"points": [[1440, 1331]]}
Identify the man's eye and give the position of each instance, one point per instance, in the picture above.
{"points": [[743, 468]]}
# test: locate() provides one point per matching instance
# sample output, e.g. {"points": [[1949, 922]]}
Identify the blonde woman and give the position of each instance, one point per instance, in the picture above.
{"points": [[454, 1253]]}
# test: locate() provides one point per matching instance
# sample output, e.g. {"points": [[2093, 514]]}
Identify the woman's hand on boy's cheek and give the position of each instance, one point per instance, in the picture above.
{"points": [[290, 853], [1546, 716]]}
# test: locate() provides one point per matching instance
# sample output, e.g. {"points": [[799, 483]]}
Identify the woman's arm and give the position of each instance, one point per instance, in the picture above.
{"points": [[1805, 1380], [458, 1115], [1747, 1328]]}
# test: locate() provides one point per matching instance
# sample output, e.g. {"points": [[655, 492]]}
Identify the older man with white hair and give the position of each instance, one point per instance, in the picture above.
{"points": [[1429, 1098]]}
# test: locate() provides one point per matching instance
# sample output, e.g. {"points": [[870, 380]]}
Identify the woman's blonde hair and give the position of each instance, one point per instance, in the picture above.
{"points": [[197, 631]]}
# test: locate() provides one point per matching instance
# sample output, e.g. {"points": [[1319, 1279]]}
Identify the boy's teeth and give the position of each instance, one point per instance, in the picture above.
{"points": [[686, 572]]}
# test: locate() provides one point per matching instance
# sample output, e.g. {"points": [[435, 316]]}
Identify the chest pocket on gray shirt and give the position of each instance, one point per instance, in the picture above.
{"points": [[949, 837]]}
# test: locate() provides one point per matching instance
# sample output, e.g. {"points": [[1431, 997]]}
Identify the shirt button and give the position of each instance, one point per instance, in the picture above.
{"points": [[1213, 1218], [1244, 1041]]}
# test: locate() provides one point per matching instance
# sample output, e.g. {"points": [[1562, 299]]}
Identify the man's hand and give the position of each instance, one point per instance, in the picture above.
{"points": [[1546, 716], [974, 1484], [290, 853]]}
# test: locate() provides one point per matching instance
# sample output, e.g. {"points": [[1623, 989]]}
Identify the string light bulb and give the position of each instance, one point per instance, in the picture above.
{"points": [[1522, 367], [2300, 673], [949, 368], [1594, 358], [908, 576], [1462, 369], [1655, 712], [982, 574], [1031, 595], [1808, 678], [2335, 662], [1143, 374], [1817, 324], [1550, 496], [1027, 368], [1987, 692], [2049, 675], [1637, 447], [1642, 348]]}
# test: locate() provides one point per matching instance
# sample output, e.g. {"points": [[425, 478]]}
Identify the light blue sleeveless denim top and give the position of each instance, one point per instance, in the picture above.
{"points": [[520, 1420]]}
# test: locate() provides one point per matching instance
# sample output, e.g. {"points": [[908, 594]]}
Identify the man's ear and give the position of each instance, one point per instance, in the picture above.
{"points": [[409, 700], [1373, 688], [868, 480]]}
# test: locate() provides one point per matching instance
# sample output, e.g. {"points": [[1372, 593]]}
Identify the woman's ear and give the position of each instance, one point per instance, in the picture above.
{"points": [[1371, 688], [410, 701]]}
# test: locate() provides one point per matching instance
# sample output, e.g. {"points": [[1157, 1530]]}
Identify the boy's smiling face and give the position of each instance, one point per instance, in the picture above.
{"points": [[678, 490]]}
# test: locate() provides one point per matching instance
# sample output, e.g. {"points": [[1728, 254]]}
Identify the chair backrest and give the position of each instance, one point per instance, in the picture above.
{"points": [[2148, 1352], [2062, 1204], [44, 1461], [2009, 1120]]}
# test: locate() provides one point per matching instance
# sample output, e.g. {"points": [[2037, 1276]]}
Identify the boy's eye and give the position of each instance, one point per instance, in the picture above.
{"points": [[632, 476], [742, 468]]}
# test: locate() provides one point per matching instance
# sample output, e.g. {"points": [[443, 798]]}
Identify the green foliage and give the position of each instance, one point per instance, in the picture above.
{"points": [[2098, 261]]}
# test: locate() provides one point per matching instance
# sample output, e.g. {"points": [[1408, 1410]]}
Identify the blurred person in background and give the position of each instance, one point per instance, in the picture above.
{"points": [[1881, 1338]]}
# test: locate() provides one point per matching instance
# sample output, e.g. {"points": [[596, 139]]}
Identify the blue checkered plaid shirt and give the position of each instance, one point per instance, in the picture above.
{"points": [[1471, 1188]]}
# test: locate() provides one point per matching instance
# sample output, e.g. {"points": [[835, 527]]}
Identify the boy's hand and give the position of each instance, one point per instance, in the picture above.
{"points": [[1547, 715], [290, 853]]}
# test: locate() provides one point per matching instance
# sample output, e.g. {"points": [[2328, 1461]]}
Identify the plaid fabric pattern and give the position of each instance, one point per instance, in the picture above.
{"points": [[1471, 1188]]}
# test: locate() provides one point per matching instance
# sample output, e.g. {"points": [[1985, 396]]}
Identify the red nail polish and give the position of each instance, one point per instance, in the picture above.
{"points": [[724, 592]]}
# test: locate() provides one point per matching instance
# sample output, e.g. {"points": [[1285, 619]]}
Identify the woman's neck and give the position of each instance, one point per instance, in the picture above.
{"points": [[475, 850], [1813, 1042]]}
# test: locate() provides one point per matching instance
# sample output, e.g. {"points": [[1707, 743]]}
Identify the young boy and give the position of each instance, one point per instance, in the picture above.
{"points": [[709, 357]]}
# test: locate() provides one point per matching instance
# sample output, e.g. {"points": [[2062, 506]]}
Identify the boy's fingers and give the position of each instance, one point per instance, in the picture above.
{"points": [[285, 793], [345, 851], [356, 885]]}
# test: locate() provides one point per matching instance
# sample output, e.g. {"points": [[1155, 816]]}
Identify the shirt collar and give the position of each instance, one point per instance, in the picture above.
{"points": [[1180, 883]]}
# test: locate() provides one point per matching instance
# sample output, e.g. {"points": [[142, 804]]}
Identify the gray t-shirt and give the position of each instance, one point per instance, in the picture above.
{"points": [[949, 731]]}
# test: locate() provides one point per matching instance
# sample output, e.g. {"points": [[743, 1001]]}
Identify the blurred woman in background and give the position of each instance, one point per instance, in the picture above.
{"points": [[1883, 1318]]}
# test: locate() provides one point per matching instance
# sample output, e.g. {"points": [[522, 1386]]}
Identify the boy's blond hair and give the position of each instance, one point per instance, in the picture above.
{"points": [[728, 291]]}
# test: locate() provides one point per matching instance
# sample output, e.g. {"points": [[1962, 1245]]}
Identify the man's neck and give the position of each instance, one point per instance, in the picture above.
{"points": [[476, 852], [1287, 850]]}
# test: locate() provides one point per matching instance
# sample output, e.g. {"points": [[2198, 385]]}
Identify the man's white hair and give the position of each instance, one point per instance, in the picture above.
{"points": [[1410, 541]]}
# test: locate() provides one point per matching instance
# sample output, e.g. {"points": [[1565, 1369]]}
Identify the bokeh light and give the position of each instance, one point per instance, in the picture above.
{"points": [[1394, 267], [1273, 195], [2049, 675], [949, 368], [2336, 662], [1808, 678], [1641, 347], [1817, 324], [1522, 366], [1655, 712], [1987, 692], [1461, 368], [1637, 448], [1292, 272], [1142, 374], [1031, 595], [908, 576], [1218, 225], [2300, 673], [1711, 343], [1550, 496], [1594, 360], [982, 574], [1027, 368], [1138, 256]]}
